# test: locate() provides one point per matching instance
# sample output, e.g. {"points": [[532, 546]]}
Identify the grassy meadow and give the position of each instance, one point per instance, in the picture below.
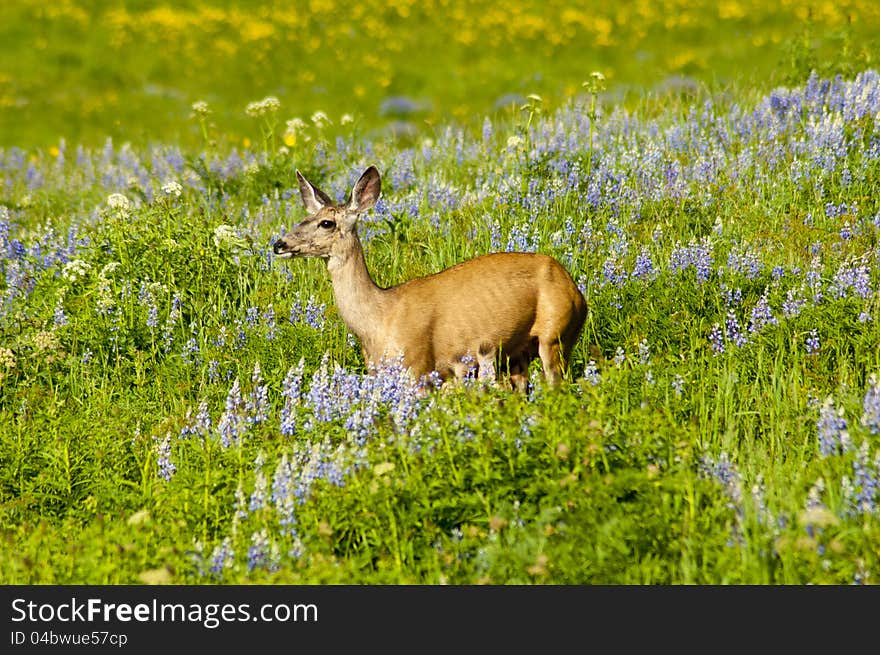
{"points": [[179, 406]]}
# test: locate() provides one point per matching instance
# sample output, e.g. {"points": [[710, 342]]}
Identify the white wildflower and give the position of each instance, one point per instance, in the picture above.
{"points": [[295, 125], [75, 270], [200, 107], [45, 341], [320, 119], [109, 269], [226, 236], [7, 358], [119, 202], [268, 105], [172, 188]]}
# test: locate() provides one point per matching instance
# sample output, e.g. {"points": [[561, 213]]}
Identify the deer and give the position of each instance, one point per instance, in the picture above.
{"points": [[504, 307]]}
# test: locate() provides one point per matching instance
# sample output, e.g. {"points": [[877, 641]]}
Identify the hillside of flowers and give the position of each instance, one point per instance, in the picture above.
{"points": [[177, 405], [84, 69]]}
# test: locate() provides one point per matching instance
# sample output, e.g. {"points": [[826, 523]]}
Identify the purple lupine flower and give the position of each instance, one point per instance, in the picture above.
{"points": [[852, 278], [261, 486], [677, 384], [232, 422], [59, 318], [471, 363], [284, 496], [722, 470], [716, 338], [251, 317], [494, 236], [733, 331], [732, 297], [203, 420], [270, 323], [831, 428], [865, 481], [644, 266], [612, 272], [761, 315], [591, 373], [240, 335], [262, 553], [697, 254], [213, 370], [487, 130], [163, 457], [812, 342], [814, 279], [871, 406], [521, 239], [702, 260], [292, 394], [240, 510], [222, 557], [258, 403], [793, 303], [319, 397], [312, 313], [171, 323], [190, 352], [745, 262], [315, 313], [152, 315], [644, 352]]}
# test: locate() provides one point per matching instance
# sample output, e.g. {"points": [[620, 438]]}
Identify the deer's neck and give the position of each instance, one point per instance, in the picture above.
{"points": [[359, 300]]}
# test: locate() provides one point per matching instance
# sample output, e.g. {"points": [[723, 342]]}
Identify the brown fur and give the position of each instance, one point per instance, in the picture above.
{"points": [[501, 308]]}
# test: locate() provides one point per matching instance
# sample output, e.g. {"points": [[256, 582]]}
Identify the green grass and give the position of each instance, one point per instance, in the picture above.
{"points": [[676, 465]]}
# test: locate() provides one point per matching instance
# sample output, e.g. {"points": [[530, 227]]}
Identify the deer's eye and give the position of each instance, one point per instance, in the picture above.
{"points": [[327, 224]]}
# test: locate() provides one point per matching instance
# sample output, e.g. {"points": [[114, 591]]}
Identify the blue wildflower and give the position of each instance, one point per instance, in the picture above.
{"points": [[716, 338], [258, 405], [761, 315], [163, 457], [812, 342], [232, 423], [291, 394], [591, 373], [831, 428], [222, 557], [677, 384], [59, 318]]}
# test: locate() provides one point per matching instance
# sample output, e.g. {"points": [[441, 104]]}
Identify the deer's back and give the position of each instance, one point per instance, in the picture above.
{"points": [[504, 299]]}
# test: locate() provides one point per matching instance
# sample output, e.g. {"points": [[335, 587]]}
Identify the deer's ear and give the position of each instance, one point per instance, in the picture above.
{"points": [[365, 192], [313, 198]]}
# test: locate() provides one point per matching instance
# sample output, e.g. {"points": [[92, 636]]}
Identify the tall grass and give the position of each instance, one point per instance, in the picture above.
{"points": [[178, 406]]}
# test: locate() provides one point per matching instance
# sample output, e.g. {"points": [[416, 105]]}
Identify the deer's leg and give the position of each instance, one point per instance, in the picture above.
{"points": [[518, 372], [550, 352]]}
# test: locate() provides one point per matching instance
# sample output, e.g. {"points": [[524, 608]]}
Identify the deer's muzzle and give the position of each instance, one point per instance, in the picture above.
{"points": [[280, 248]]}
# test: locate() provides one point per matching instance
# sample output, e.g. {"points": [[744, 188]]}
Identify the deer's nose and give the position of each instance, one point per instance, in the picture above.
{"points": [[278, 247]]}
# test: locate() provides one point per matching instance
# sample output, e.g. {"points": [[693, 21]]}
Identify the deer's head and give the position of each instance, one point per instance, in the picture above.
{"points": [[328, 225]]}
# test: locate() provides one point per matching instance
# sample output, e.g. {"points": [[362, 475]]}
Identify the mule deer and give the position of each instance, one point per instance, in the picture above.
{"points": [[503, 307]]}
